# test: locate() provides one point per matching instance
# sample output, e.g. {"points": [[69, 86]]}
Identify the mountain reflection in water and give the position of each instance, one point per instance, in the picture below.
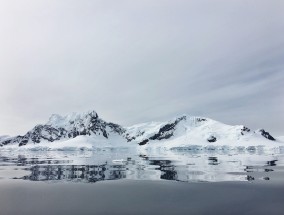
{"points": [[90, 167]]}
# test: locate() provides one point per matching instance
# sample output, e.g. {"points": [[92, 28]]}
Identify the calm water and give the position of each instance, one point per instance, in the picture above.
{"points": [[127, 181]]}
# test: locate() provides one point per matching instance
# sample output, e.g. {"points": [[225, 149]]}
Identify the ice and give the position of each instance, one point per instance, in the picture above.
{"points": [[86, 131]]}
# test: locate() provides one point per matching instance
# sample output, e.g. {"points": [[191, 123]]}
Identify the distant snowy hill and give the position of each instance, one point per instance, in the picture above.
{"points": [[87, 129], [189, 130]]}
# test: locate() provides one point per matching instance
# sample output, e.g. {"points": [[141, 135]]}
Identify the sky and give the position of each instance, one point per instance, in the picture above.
{"points": [[139, 61]]}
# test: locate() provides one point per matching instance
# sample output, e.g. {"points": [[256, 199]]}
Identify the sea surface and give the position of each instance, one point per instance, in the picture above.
{"points": [[131, 181]]}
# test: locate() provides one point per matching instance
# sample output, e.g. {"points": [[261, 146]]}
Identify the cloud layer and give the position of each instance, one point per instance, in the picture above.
{"points": [[134, 61]]}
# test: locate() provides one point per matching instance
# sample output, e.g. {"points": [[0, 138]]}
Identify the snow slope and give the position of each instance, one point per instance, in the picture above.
{"points": [[61, 128], [88, 131], [280, 139]]}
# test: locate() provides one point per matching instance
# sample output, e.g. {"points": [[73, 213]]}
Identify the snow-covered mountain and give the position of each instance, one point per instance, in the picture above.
{"points": [[180, 131], [67, 127], [190, 130]]}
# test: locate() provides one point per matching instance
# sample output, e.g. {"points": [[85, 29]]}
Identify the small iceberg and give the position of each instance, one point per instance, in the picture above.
{"points": [[119, 161]]}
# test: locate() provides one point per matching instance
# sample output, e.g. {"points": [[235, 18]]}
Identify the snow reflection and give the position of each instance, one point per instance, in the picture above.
{"points": [[116, 164]]}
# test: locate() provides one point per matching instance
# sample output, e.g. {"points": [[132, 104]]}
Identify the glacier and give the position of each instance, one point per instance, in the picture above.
{"points": [[87, 131]]}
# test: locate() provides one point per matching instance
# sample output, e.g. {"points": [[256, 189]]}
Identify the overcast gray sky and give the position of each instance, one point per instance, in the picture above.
{"points": [[135, 61]]}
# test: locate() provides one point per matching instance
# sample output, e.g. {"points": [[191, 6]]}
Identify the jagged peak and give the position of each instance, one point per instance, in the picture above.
{"points": [[74, 124], [56, 119]]}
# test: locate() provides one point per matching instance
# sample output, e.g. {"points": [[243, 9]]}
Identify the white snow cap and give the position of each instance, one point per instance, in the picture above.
{"points": [[58, 120]]}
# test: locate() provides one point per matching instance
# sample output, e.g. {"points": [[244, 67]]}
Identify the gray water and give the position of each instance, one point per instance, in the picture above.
{"points": [[125, 181]]}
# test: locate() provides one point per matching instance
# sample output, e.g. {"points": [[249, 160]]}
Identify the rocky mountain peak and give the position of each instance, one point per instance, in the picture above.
{"points": [[61, 121], [265, 134], [192, 129]]}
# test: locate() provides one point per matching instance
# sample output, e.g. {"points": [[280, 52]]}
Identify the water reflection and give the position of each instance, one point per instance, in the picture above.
{"points": [[90, 167], [83, 173]]}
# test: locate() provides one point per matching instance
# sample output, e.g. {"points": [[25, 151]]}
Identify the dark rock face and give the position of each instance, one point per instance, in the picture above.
{"points": [[130, 138], [143, 142], [266, 134], [211, 139], [73, 125], [116, 128], [17, 139], [167, 130], [89, 124], [200, 120], [244, 129]]}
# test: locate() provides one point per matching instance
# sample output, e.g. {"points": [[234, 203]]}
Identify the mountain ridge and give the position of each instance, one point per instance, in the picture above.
{"points": [[192, 128]]}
